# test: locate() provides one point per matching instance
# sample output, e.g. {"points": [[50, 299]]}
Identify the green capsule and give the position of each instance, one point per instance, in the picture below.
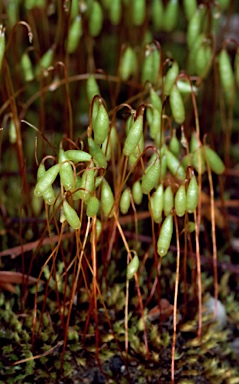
{"points": [[77, 155], [155, 100], [157, 14], [101, 125], [174, 165], [137, 192], [155, 123], [48, 195], [45, 62], [224, 4], [134, 134], [157, 203], [168, 200], [133, 158], [87, 184], [47, 180], [98, 229], [132, 267], [12, 13], [192, 195], [171, 15], [92, 88], [151, 176], [180, 201], [214, 161], [74, 35], [198, 160], [194, 142], [190, 7], [115, 11], [107, 199], [186, 161], [194, 26], [203, 57], [26, 66], [97, 154], [74, 9], [71, 216], [176, 104], [96, 18], [226, 76], [66, 172], [151, 65], [174, 144], [170, 77], [185, 87], [12, 132], [92, 207], [138, 12], [125, 201], [128, 64], [165, 236], [110, 144]]}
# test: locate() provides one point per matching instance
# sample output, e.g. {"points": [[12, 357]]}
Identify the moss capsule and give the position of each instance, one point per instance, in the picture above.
{"points": [[168, 200], [194, 26], [174, 165], [101, 125], [48, 195], [66, 172], [151, 65], [137, 192], [155, 124], [45, 62], [92, 207], [151, 176], [71, 215], [26, 66], [157, 14], [180, 201], [115, 11], [226, 76], [132, 267], [170, 77], [97, 154], [87, 184], [74, 36], [128, 64], [47, 180], [214, 161], [157, 203], [176, 104], [171, 15], [192, 195], [125, 201], [110, 144], [77, 156], [189, 7], [165, 236], [198, 160], [92, 88], [95, 19], [138, 11], [107, 199], [134, 135], [174, 144]]}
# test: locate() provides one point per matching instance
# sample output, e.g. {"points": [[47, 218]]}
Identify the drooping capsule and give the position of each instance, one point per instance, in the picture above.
{"points": [[165, 236]]}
